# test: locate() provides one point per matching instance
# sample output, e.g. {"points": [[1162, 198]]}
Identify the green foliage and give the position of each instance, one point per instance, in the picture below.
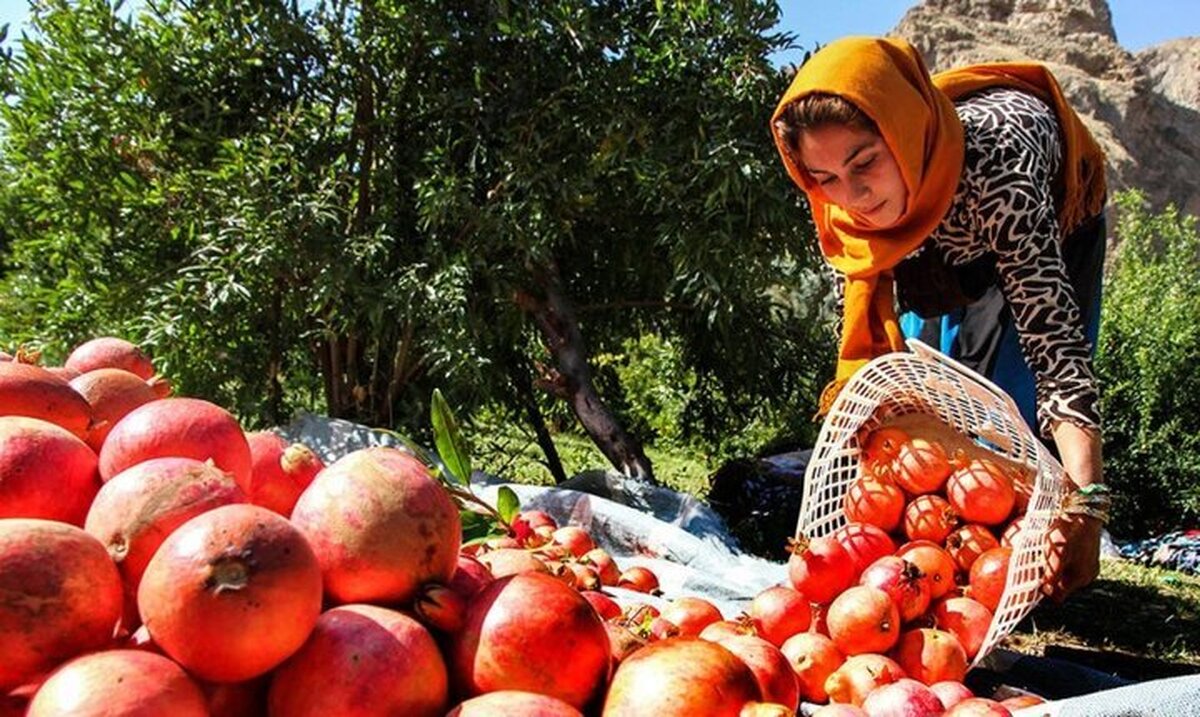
{"points": [[1147, 362], [332, 208]]}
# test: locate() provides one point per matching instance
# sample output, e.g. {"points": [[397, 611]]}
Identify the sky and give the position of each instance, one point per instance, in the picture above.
{"points": [[1139, 23]]}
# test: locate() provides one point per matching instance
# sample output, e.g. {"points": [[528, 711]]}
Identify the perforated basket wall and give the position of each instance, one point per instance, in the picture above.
{"points": [[926, 381]]}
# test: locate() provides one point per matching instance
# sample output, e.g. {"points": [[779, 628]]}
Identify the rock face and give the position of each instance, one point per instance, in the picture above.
{"points": [[1143, 108]]}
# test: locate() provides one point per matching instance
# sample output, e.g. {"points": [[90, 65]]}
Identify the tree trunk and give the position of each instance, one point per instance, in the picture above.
{"points": [[571, 378], [522, 383]]}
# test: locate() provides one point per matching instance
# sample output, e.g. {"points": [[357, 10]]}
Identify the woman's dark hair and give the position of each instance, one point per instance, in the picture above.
{"points": [[817, 110]]}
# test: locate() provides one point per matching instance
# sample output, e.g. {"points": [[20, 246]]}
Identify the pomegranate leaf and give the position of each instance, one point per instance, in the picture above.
{"points": [[449, 441], [507, 503]]}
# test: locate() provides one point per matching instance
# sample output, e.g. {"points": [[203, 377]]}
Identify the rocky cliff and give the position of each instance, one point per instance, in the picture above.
{"points": [[1144, 108]]}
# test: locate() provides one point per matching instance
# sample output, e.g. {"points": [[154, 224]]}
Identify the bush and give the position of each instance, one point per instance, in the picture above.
{"points": [[1147, 359]]}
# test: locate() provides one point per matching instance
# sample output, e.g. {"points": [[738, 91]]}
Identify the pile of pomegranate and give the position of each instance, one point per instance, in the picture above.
{"points": [[157, 559]]}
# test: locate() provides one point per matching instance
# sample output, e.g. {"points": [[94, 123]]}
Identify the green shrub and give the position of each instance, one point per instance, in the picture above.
{"points": [[1148, 362]]}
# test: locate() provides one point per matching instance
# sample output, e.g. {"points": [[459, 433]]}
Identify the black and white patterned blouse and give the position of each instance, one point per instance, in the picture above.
{"points": [[1004, 206]]}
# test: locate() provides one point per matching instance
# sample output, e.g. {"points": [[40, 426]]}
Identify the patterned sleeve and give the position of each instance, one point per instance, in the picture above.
{"points": [[1019, 221]]}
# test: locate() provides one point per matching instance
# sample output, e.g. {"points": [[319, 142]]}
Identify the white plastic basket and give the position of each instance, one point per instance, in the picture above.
{"points": [[927, 381]]}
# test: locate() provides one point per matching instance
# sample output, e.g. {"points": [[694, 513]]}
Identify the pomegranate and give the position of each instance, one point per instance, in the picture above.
{"points": [[60, 595], [883, 445], [902, 698], [725, 629], [1021, 701], [236, 699], [119, 682], [522, 631], [110, 352], [279, 471], [574, 539], [34, 392], [981, 492], [513, 702], [950, 692], [777, 613], [966, 544], [45, 472], [874, 501], [440, 607], [605, 566], [380, 525], [864, 544], [931, 656], [771, 668], [680, 677], [470, 576], [904, 583], [112, 393], [135, 511], [814, 658], [1012, 532], [988, 575], [586, 577], [819, 568], [231, 593], [362, 660], [922, 466], [859, 675], [622, 641], [511, 561], [177, 427], [978, 707], [929, 517], [661, 628], [691, 615], [605, 607], [863, 619], [934, 562], [840, 710], [638, 579], [967, 619], [532, 528]]}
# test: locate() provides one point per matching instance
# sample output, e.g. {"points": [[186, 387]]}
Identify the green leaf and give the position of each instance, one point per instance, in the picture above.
{"points": [[507, 503], [449, 440]]}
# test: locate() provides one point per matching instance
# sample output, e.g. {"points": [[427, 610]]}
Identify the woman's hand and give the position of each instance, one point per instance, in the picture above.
{"points": [[1073, 550]]}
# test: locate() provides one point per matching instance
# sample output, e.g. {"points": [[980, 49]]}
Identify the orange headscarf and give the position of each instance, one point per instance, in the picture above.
{"points": [[887, 80]]}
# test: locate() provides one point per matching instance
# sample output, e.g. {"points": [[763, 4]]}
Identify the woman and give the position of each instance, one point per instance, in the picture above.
{"points": [[976, 199]]}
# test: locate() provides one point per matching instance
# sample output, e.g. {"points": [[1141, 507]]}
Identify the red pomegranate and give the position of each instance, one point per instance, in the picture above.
{"points": [[574, 539], [777, 613], [135, 511], [638, 579], [863, 619], [237, 699], [180, 428], [110, 352], [125, 683], [981, 492], [967, 619], [929, 517], [279, 471], [691, 615], [978, 707], [586, 577], [932, 560], [45, 472], [950, 692], [533, 528], [503, 562], [966, 544], [470, 576], [33, 392], [231, 593], [362, 660], [814, 658], [440, 608], [112, 393], [819, 568], [988, 575], [875, 501], [725, 629], [904, 583], [513, 702], [864, 544], [922, 466], [681, 677], [883, 445], [859, 675], [772, 670], [605, 607], [60, 595], [604, 565], [931, 656], [623, 641], [523, 632], [1009, 537], [381, 526], [902, 698]]}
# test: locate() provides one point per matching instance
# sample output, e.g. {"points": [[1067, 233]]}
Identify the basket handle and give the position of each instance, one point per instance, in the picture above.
{"points": [[925, 351]]}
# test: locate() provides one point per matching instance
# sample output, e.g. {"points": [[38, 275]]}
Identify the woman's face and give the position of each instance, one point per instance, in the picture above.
{"points": [[857, 171]]}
